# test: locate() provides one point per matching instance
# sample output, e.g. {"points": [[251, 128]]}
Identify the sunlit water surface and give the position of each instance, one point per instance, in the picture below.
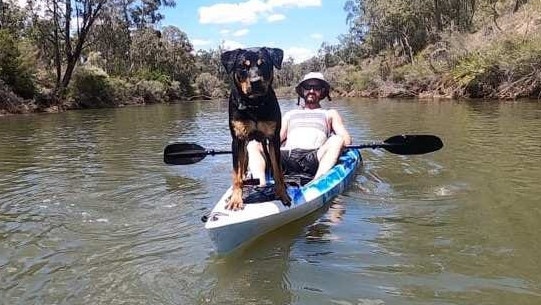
{"points": [[89, 214]]}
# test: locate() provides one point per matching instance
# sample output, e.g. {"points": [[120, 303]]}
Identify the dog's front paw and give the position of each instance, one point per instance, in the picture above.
{"points": [[286, 201], [235, 202], [284, 197]]}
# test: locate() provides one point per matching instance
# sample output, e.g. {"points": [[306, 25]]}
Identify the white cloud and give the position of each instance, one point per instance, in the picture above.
{"points": [[231, 45], [248, 12], [296, 3], [299, 54], [316, 36], [200, 42], [276, 17], [240, 33], [225, 32], [244, 12]]}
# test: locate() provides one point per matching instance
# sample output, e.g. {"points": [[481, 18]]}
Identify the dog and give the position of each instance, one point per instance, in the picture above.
{"points": [[254, 113]]}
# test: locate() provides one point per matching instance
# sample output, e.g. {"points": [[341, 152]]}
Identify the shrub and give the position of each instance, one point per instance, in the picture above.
{"points": [[209, 85], [121, 90], [505, 69], [151, 91], [90, 88], [153, 75], [11, 103]]}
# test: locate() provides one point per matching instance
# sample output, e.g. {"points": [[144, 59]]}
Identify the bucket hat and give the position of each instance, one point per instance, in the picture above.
{"points": [[317, 76]]}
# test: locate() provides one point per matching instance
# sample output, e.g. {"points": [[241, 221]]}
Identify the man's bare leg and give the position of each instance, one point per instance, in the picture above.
{"points": [[328, 154], [256, 161]]}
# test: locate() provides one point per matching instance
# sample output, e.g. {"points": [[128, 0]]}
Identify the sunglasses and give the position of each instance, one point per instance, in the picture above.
{"points": [[308, 87]]}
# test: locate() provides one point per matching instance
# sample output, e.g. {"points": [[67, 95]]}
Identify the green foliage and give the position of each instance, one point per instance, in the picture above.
{"points": [[153, 75], [208, 61], [90, 88], [13, 71], [122, 91], [10, 102], [209, 85], [472, 67], [151, 91], [164, 57], [406, 26], [418, 71], [508, 61], [522, 57], [351, 79]]}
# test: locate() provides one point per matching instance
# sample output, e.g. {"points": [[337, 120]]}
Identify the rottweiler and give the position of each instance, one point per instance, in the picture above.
{"points": [[254, 113]]}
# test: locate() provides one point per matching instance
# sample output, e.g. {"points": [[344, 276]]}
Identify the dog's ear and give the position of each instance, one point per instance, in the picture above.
{"points": [[276, 55], [229, 58]]}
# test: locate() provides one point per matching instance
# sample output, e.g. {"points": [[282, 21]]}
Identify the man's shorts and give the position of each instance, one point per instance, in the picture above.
{"points": [[299, 161]]}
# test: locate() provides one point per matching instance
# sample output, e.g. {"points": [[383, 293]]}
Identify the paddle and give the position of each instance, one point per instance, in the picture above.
{"points": [[190, 153]]}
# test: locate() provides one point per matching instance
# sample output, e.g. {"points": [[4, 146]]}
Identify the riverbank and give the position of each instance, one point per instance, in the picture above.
{"points": [[500, 62]]}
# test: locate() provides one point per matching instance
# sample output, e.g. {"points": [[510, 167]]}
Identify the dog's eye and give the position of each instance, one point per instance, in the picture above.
{"points": [[247, 63], [260, 62]]}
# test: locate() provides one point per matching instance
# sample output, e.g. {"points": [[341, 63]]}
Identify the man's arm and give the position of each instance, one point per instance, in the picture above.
{"points": [[337, 125]]}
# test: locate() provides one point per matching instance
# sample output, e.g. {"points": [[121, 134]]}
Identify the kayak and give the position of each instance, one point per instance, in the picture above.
{"points": [[263, 212]]}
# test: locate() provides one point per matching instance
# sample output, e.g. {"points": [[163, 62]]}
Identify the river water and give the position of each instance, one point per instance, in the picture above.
{"points": [[89, 214]]}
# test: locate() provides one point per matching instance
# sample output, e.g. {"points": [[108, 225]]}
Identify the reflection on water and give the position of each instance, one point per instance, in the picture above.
{"points": [[89, 214]]}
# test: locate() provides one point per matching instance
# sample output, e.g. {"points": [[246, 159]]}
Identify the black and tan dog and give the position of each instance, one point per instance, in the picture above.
{"points": [[254, 113]]}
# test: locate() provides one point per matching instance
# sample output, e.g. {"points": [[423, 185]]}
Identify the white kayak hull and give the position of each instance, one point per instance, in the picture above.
{"points": [[229, 230]]}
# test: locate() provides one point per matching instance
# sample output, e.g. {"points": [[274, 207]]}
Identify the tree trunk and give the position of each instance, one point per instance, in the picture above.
{"points": [[518, 4], [57, 56], [406, 42], [72, 56], [437, 15]]}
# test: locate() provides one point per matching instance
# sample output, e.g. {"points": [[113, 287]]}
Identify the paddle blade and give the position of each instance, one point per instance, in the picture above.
{"points": [[412, 144], [183, 153]]}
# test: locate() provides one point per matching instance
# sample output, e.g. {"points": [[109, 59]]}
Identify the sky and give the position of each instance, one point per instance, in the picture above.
{"points": [[296, 26]]}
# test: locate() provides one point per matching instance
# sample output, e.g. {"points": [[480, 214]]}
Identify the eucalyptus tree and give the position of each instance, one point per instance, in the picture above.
{"points": [[12, 70], [329, 55], [408, 25], [146, 50], [177, 58], [165, 55], [111, 38], [120, 22], [147, 12], [286, 77], [62, 34], [209, 61], [11, 17]]}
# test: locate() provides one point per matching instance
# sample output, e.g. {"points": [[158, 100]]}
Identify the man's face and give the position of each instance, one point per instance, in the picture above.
{"points": [[312, 90]]}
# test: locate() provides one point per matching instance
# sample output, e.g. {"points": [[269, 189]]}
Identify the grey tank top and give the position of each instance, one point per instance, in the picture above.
{"points": [[307, 129]]}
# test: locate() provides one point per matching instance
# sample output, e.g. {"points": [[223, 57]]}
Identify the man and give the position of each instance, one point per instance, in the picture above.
{"points": [[312, 138]]}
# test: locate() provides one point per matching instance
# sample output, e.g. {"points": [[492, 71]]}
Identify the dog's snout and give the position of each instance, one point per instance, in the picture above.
{"points": [[255, 79], [253, 75]]}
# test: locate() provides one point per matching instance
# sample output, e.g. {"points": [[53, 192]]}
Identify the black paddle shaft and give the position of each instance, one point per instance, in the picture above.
{"points": [[190, 153]]}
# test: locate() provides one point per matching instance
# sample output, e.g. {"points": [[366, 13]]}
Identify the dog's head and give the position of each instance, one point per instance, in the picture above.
{"points": [[252, 69]]}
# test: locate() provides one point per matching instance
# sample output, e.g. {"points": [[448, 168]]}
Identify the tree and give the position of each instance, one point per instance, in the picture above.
{"points": [[62, 34], [87, 11], [111, 39], [146, 12], [12, 72]]}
